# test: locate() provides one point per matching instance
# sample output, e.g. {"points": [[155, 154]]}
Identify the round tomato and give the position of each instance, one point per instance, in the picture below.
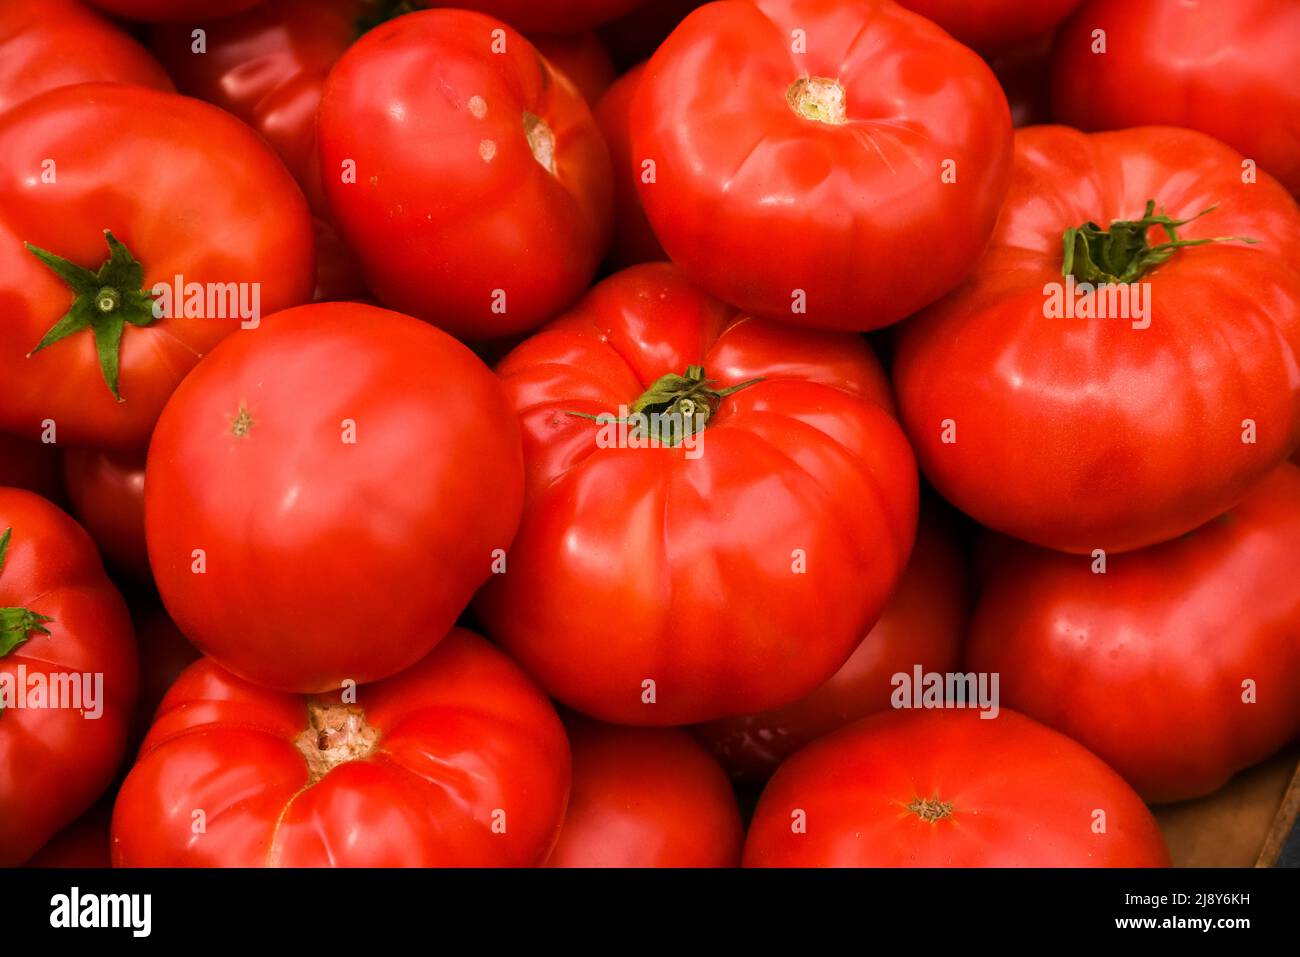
{"points": [[950, 789], [646, 797], [107, 494], [83, 843], [458, 761], [1178, 664], [1227, 69], [581, 58], [174, 9], [31, 465], [844, 184], [324, 495], [634, 241], [63, 42], [111, 198], [502, 220], [1041, 420], [67, 674], [553, 16], [991, 26], [726, 553], [921, 627]]}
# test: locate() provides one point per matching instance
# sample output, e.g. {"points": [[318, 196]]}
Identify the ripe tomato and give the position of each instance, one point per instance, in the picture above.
{"points": [[923, 625], [950, 789], [553, 16], [1226, 69], [83, 843], [67, 674], [36, 40], [182, 189], [504, 222], [1078, 433], [107, 494], [1179, 665], [323, 497], [646, 797], [458, 761], [992, 26], [174, 9], [581, 57], [634, 241], [809, 186], [731, 572], [31, 465]]}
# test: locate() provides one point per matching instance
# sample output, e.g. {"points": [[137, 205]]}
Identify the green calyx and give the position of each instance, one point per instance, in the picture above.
{"points": [[17, 624], [106, 300], [1121, 253], [675, 406]]}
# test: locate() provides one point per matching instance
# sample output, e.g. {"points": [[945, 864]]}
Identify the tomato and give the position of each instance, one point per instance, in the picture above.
{"points": [[107, 493], [67, 674], [458, 761], [922, 626], [646, 797], [553, 16], [811, 187], [581, 57], [504, 222], [657, 583], [124, 189], [268, 67], [174, 9], [1226, 69], [950, 789], [1179, 665], [634, 241], [1113, 433], [31, 465], [37, 38], [991, 26], [323, 496], [83, 843]]}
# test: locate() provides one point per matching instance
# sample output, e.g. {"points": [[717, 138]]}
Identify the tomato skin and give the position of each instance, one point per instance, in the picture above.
{"points": [[1079, 434], [444, 234], [757, 203], [34, 466], [634, 241], [326, 558], [646, 797], [189, 190], [155, 10], [37, 38], [1145, 664], [924, 623], [54, 762], [690, 569], [1226, 69], [554, 16], [462, 735], [1021, 795], [107, 493], [991, 26], [581, 58]]}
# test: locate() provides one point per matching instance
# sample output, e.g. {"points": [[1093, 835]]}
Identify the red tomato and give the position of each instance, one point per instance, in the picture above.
{"points": [[1228, 69], [182, 189], [83, 843], [731, 572], [174, 9], [844, 187], [992, 26], [646, 797], [950, 789], [107, 493], [634, 241], [581, 58], [1079, 433], [922, 625], [458, 761], [31, 465], [268, 67], [67, 674], [502, 221], [553, 16], [323, 497], [1179, 665], [62, 42]]}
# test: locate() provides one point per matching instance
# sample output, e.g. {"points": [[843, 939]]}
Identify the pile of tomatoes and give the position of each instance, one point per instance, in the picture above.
{"points": [[643, 432]]}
